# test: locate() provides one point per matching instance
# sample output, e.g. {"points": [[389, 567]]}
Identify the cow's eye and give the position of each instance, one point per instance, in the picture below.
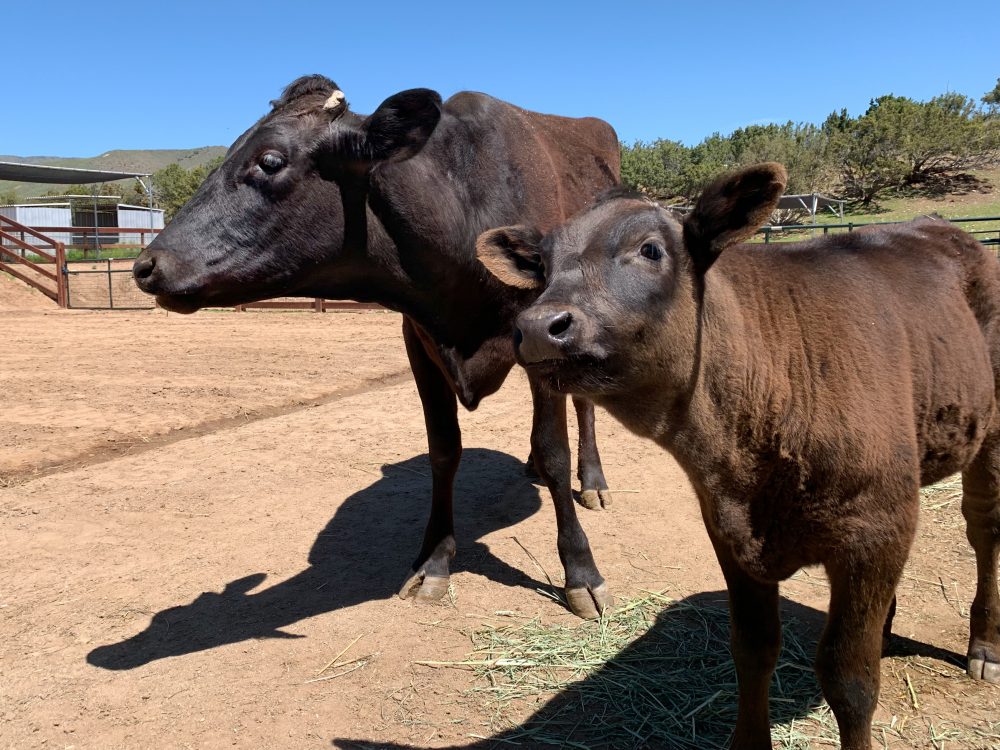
{"points": [[271, 161], [651, 251]]}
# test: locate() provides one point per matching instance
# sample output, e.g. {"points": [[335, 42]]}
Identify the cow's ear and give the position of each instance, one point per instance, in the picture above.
{"points": [[401, 125], [511, 254], [731, 209]]}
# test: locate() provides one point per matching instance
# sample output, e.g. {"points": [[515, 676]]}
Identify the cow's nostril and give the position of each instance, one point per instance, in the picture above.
{"points": [[560, 324], [143, 267]]}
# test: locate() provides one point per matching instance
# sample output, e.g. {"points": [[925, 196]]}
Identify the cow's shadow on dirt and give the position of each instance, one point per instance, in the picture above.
{"points": [[362, 554], [673, 687]]}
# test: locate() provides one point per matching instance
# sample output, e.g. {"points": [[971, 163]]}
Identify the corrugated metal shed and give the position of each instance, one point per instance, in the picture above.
{"points": [[46, 215], [138, 217]]}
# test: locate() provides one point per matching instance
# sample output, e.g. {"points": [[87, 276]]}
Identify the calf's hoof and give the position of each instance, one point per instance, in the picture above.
{"points": [[982, 667], [587, 602], [595, 499], [423, 587]]}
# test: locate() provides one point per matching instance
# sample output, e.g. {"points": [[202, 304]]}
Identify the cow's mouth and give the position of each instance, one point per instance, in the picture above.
{"points": [[179, 303]]}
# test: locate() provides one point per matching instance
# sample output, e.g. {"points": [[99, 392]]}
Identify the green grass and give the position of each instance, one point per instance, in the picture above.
{"points": [[73, 254]]}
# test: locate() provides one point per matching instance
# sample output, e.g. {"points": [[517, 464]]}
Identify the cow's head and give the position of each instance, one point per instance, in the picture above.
{"points": [[623, 282], [285, 204]]}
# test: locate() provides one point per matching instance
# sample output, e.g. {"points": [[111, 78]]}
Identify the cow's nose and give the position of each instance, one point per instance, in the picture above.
{"points": [[544, 334]]}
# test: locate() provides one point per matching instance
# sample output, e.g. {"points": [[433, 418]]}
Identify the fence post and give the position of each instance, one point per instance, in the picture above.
{"points": [[62, 276], [111, 291], [318, 304]]}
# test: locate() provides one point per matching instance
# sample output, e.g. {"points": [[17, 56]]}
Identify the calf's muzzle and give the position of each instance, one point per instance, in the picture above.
{"points": [[547, 332]]}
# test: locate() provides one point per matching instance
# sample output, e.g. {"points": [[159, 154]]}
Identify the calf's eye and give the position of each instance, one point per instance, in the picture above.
{"points": [[271, 161], [651, 251]]}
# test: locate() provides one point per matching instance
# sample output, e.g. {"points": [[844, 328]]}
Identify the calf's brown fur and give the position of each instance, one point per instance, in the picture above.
{"points": [[807, 390]]}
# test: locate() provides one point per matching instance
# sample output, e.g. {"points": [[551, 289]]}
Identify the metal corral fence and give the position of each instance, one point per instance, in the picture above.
{"points": [[104, 285], [989, 236], [108, 285]]}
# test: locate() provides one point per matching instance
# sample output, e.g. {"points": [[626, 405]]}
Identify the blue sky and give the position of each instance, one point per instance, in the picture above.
{"points": [[84, 78]]}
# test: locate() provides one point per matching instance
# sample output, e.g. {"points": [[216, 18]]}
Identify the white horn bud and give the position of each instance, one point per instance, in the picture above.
{"points": [[335, 100]]}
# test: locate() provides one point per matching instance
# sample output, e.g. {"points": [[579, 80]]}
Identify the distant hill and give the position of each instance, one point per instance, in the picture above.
{"points": [[139, 161]]}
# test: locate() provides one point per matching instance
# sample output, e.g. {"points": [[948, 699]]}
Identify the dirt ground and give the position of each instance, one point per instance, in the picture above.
{"points": [[197, 514]]}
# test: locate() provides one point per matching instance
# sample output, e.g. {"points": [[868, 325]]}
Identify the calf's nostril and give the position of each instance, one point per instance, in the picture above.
{"points": [[560, 324]]}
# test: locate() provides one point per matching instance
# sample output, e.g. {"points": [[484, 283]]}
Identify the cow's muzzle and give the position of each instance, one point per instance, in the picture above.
{"points": [[160, 274]]}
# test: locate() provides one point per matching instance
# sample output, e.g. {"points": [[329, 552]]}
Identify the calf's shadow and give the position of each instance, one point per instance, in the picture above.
{"points": [[362, 554]]}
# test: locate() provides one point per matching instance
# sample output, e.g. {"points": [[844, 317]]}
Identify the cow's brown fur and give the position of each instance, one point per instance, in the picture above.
{"points": [[807, 390]]}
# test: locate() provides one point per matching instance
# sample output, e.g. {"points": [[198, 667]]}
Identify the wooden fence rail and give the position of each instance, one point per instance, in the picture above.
{"points": [[49, 252]]}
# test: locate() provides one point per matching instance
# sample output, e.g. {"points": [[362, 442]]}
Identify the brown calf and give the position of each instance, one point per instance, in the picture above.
{"points": [[807, 390]]}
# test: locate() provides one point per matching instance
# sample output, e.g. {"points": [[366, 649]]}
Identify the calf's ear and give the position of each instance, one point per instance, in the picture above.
{"points": [[731, 209], [511, 254], [401, 125]]}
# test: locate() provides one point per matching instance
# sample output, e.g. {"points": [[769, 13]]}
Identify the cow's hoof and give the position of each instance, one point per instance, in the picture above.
{"points": [[530, 470], [595, 499], [423, 588], [589, 603], [984, 669]]}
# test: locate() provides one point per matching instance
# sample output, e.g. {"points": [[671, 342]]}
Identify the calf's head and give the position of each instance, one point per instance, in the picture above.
{"points": [[623, 282], [287, 202]]}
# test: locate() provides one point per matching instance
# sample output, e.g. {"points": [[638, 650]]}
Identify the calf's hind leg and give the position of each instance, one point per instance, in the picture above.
{"points": [[981, 508], [594, 492]]}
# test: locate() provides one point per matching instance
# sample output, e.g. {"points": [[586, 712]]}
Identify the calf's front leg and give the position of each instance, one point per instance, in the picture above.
{"points": [[755, 636], [586, 592], [428, 580]]}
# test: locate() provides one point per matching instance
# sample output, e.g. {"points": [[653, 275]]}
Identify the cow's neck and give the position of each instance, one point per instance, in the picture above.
{"points": [[409, 248]]}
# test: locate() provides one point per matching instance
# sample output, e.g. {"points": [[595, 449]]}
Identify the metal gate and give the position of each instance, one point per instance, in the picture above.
{"points": [[104, 285]]}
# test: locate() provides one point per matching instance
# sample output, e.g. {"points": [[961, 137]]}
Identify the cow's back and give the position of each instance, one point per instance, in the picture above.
{"points": [[552, 166]]}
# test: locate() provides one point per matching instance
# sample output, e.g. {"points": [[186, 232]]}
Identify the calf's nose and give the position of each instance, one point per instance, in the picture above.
{"points": [[544, 334]]}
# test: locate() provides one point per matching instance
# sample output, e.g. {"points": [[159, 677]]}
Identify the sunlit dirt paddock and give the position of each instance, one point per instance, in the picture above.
{"points": [[198, 515]]}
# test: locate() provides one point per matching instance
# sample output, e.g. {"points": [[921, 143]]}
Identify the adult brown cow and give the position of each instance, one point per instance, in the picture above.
{"points": [[317, 201], [807, 390]]}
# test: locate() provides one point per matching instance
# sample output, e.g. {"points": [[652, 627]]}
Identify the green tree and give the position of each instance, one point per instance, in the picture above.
{"points": [[173, 186], [801, 148], [866, 151], [992, 98], [947, 134], [655, 168], [8, 197]]}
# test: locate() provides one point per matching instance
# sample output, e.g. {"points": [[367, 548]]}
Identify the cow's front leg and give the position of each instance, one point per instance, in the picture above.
{"points": [[594, 492], [428, 580], [586, 592]]}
